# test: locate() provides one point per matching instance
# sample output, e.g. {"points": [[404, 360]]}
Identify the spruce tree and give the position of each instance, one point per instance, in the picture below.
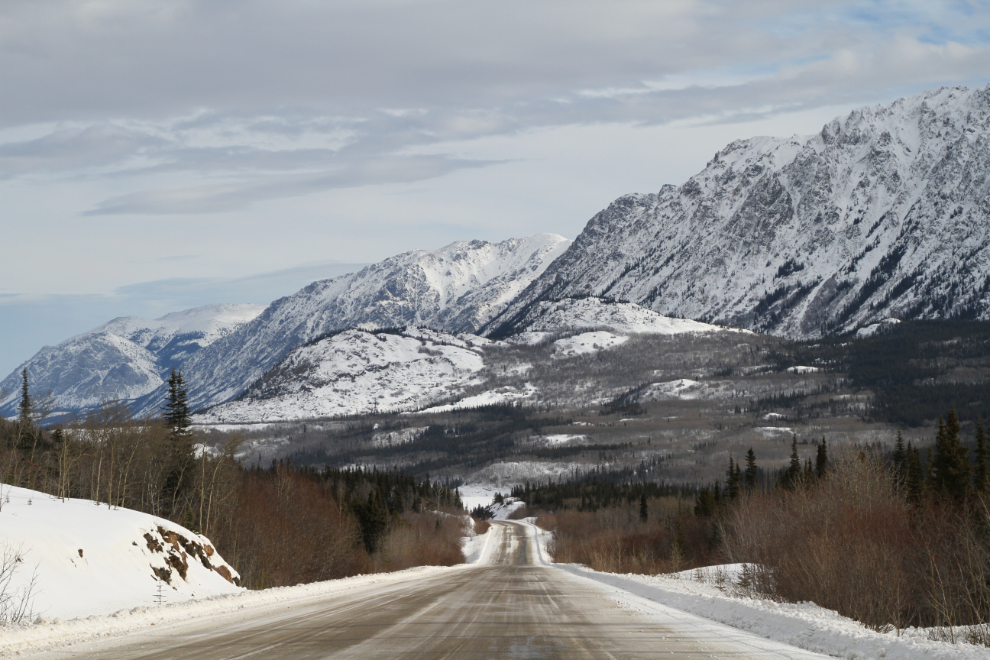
{"points": [[793, 473], [25, 427], [180, 457], [732, 481], [914, 478], [951, 467], [177, 407], [752, 474], [982, 471], [821, 460], [644, 513], [899, 460]]}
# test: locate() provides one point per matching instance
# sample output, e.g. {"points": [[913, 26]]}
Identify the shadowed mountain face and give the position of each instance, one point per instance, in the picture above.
{"points": [[884, 213]]}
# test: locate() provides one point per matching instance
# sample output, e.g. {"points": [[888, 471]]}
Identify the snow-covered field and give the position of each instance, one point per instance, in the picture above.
{"points": [[88, 559]]}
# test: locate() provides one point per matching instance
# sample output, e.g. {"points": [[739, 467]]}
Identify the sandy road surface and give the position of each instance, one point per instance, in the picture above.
{"points": [[509, 605]]}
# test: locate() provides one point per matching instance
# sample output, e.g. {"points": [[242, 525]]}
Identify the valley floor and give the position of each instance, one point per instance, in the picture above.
{"points": [[511, 603]]}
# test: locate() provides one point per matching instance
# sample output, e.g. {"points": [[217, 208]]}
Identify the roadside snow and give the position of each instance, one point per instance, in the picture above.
{"points": [[90, 559]]}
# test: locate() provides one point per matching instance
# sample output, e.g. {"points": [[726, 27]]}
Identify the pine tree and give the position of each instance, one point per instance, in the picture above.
{"points": [[644, 513], [982, 471], [25, 427], [180, 458], [176, 406], [752, 474], [899, 460], [951, 467], [914, 479], [732, 481], [793, 473], [706, 504], [821, 460]]}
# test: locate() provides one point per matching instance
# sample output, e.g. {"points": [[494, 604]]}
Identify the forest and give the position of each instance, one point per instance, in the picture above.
{"points": [[279, 525], [891, 539]]}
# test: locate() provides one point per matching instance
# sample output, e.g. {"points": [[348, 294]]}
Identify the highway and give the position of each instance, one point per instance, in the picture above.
{"points": [[511, 604]]}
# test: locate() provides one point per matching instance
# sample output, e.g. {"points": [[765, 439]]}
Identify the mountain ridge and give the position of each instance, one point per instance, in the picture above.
{"points": [[883, 213]]}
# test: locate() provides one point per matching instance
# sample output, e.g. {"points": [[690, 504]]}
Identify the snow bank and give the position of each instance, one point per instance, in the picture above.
{"points": [[90, 559], [804, 625]]}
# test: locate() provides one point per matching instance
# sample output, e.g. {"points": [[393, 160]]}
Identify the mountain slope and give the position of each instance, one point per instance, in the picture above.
{"points": [[884, 213], [457, 288], [358, 372], [124, 359]]}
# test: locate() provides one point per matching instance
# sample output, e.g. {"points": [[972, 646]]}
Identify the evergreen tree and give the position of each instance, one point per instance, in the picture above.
{"points": [[951, 467], [793, 473], [821, 460], [732, 481], [176, 406], [706, 504], [982, 471], [180, 458], [25, 427], [644, 513], [914, 478], [752, 475], [899, 460]]}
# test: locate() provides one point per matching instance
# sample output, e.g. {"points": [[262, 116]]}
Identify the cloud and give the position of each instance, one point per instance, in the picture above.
{"points": [[240, 195]]}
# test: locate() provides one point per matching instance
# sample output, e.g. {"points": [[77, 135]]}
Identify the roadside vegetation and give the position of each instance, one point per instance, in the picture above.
{"points": [[893, 541], [277, 526]]}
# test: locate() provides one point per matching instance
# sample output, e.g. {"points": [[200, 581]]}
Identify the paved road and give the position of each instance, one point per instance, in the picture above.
{"points": [[511, 606]]}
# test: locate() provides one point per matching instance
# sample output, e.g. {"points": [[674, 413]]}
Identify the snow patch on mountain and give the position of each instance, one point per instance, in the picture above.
{"points": [[593, 313], [90, 559], [587, 343], [357, 372], [497, 396]]}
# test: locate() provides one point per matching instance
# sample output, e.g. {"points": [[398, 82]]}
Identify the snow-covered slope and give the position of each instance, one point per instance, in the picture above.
{"points": [[90, 559], [358, 372], [594, 313], [884, 213], [457, 288], [124, 359]]}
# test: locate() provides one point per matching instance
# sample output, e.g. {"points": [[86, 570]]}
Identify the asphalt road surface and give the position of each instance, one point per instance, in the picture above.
{"points": [[509, 605]]}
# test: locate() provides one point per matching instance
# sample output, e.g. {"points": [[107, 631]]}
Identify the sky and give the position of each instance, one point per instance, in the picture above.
{"points": [[157, 155]]}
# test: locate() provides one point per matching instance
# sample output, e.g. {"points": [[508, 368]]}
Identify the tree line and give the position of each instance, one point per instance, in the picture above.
{"points": [[277, 526], [891, 539]]}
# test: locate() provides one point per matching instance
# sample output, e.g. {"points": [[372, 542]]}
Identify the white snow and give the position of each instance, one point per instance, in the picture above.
{"points": [[803, 625], [587, 343], [358, 372], [681, 388], [874, 328], [559, 439], [621, 318], [90, 559], [803, 370], [507, 394]]}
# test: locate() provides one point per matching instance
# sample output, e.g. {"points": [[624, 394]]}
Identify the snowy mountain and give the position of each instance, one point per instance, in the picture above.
{"points": [[359, 372], [124, 359], [457, 288], [882, 214]]}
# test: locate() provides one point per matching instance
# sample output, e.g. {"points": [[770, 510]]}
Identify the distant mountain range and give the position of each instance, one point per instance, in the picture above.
{"points": [[884, 213]]}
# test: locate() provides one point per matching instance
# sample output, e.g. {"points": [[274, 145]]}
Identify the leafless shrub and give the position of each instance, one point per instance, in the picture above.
{"points": [[15, 601]]}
